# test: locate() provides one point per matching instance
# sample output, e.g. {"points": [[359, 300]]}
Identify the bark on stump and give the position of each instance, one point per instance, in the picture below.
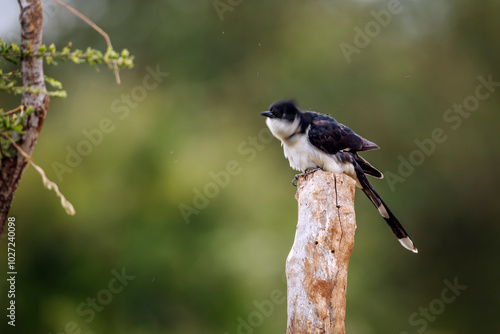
{"points": [[316, 268]]}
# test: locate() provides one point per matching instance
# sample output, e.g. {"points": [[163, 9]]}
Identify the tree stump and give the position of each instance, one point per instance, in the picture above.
{"points": [[316, 268]]}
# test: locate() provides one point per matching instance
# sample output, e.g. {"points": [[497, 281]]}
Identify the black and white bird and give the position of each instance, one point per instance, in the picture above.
{"points": [[313, 141]]}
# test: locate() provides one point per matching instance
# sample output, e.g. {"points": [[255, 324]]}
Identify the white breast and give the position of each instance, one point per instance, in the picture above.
{"points": [[301, 153]]}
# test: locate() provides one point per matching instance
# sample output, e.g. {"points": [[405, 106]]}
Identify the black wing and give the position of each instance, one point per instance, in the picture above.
{"points": [[330, 136]]}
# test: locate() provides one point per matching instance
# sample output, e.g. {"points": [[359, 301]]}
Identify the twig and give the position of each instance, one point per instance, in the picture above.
{"points": [[13, 111], [70, 210], [96, 28]]}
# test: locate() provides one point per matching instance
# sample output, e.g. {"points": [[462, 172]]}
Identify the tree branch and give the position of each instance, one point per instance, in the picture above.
{"points": [[12, 168], [316, 267], [96, 28]]}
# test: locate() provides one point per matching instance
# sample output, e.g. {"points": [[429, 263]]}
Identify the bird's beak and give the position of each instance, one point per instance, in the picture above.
{"points": [[267, 114]]}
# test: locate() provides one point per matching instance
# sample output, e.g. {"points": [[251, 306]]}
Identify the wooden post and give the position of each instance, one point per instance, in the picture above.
{"points": [[316, 268]]}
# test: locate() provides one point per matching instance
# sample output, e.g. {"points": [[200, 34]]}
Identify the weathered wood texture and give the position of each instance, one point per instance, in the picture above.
{"points": [[12, 168], [316, 268]]}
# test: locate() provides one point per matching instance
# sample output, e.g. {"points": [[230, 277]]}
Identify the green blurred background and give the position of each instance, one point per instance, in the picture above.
{"points": [[210, 275]]}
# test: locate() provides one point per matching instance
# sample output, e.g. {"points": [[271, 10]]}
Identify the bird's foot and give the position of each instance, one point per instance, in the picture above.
{"points": [[308, 171]]}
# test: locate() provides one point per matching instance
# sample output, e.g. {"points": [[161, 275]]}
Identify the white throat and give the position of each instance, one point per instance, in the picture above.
{"points": [[282, 129]]}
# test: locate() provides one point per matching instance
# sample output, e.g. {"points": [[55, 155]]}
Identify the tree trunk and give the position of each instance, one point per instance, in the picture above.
{"points": [[12, 168], [316, 268]]}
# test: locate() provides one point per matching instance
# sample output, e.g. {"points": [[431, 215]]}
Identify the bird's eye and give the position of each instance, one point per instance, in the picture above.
{"points": [[284, 115]]}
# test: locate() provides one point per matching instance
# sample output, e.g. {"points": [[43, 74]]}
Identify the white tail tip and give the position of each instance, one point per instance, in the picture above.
{"points": [[408, 244]]}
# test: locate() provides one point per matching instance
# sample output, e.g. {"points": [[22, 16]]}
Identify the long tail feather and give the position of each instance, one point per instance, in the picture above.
{"points": [[384, 211]]}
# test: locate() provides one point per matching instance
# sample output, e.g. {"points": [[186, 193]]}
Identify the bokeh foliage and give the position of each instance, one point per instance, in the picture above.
{"points": [[163, 142]]}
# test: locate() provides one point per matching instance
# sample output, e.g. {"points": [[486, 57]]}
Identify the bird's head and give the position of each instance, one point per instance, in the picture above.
{"points": [[283, 119], [285, 110]]}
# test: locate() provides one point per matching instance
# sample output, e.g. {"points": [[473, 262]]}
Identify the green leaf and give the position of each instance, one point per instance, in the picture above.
{"points": [[53, 82], [65, 51], [15, 48], [76, 60], [125, 53], [18, 129], [10, 60], [58, 93]]}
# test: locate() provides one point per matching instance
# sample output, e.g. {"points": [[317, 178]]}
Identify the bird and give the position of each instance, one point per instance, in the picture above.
{"points": [[312, 141]]}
